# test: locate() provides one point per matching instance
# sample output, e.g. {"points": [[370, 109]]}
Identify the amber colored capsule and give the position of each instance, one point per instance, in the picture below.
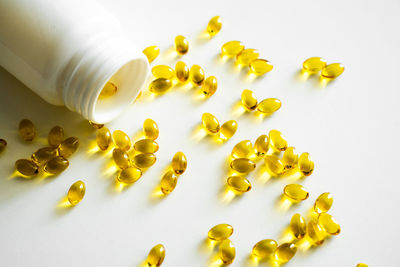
{"points": [[228, 129], [238, 184], [220, 232], [227, 251], [232, 48], [247, 56], [315, 233], [196, 75], [261, 145], [129, 175], [26, 167], [108, 90], [181, 44], [163, 71], [150, 129], [306, 165], [260, 66], [27, 130], [243, 149], [44, 154], [56, 165], [329, 223], [96, 125], [103, 138], [332, 71], [249, 100], [168, 182], [285, 252], [323, 203], [146, 146], [144, 161], [277, 140], [314, 64], [76, 192], [156, 256], [121, 158], [274, 165], [210, 123], [181, 71], [290, 158], [209, 86], [3, 145], [179, 163], [214, 25], [362, 265], [243, 165], [160, 85], [269, 105], [295, 192], [264, 249], [298, 226], [68, 147], [151, 52], [55, 136], [121, 140]]}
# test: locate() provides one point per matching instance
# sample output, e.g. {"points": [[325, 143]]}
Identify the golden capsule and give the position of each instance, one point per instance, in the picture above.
{"points": [[290, 158], [3, 145], [228, 129], [214, 25], [239, 184], [44, 154], [227, 252], [56, 165], [329, 224], [260, 66], [332, 71], [55, 136], [269, 105], [323, 203], [146, 146], [261, 145], [181, 45], [121, 140], [314, 64], [285, 252], [121, 158], [243, 165], [108, 90], [103, 138], [151, 52], [264, 248], [181, 71], [277, 140], [179, 163], [196, 75], [27, 130], [144, 161], [160, 85], [26, 167], [163, 71], [210, 122], [68, 147], [129, 175], [150, 129], [168, 182], [315, 233], [247, 56], [209, 86], [243, 149], [76, 192], [156, 256], [96, 125], [362, 265], [306, 165], [249, 100], [274, 165], [220, 232], [295, 192], [232, 48], [298, 226]]}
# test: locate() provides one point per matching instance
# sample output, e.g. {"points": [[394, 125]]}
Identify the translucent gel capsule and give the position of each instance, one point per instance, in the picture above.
{"points": [[243, 165], [232, 48], [220, 232], [214, 25], [108, 90], [181, 45], [261, 145], [129, 175], [44, 154], [247, 56], [285, 252], [103, 138], [209, 86], [68, 147], [315, 233], [156, 256], [160, 85], [260, 66], [96, 125], [144, 161], [277, 140], [227, 251], [146, 146], [121, 158], [181, 71], [298, 226], [56, 165], [295, 192], [3, 145], [362, 265], [163, 71], [27, 130], [168, 182], [323, 203], [249, 100], [274, 165], [290, 158], [264, 248], [239, 184], [228, 129], [269, 105], [179, 163], [76, 192], [243, 149], [26, 167], [151, 52], [150, 129], [332, 71], [196, 75], [55, 136], [210, 123], [306, 165], [314, 64], [121, 140], [329, 224]]}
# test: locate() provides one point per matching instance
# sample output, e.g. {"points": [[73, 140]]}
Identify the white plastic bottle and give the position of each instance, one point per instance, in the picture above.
{"points": [[67, 50]]}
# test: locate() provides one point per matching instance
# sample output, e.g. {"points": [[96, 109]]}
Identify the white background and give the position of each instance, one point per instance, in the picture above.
{"points": [[350, 127]]}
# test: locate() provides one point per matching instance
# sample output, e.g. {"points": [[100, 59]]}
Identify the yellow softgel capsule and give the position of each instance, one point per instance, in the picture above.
{"points": [[96, 125], [220, 232], [362, 265], [156, 256], [316, 233], [27, 167], [55, 136], [3, 145], [298, 226], [232, 48], [44, 154], [181, 44], [210, 123], [151, 52], [243, 165], [209, 86], [274, 165], [163, 71], [144, 161], [227, 252], [27, 130], [56, 165], [290, 158], [264, 249], [269, 105], [103, 138], [247, 56], [329, 224], [146, 146], [168, 182], [76, 192], [332, 71], [314, 64], [121, 158], [68, 147], [160, 85], [181, 71], [179, 163], [196, 75], [214, 25], [277, 140], [129, 175], [121, 140], [108, 90], [238, 184], [260, 66], [295, 192], [249, 100], [261, 145], [323, 203], [306, 165], [150, 129], [243, 149], [228, 129], [285, 252]]}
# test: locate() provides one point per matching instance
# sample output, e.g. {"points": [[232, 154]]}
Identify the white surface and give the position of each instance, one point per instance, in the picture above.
{"points": [[351, 129]]}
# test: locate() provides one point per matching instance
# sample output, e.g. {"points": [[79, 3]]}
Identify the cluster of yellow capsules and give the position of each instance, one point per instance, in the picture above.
{"points": [[212, 126], [220, 233], [314, 65], [170, 178], [266, 106]]}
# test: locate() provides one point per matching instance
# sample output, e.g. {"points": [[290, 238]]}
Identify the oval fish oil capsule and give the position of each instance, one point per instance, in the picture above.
{"points": [[306, 165], [76, 192], [274, 165], [163, 71], [277, 140], [261, 145], [179, 163], [264, 248], [181, 71], [295, 192], [232, 48], [239, 184], [56, 165], [269, 105], [144, 161], [290, 158], [227, 251], [196, 75], [121, 158], [150, 129], [260, 66], [285, 252], [156, 256], [209, 86], [27, 167], [314, 64], [68, 147], [228, 129], [151, 52], [298, 226], [108, 90], [362, 265], [160, 85], [220, 232], [27, 130], [3, 145], [129, 175], [323, 203], [146, 146], [181, 45], [96, 125], [214, 26], [315, 233], [329, 224], [332, 71], [44, 154], [243, 165], [210, 123], [121, 140], [247, 56], [249, 100], [168, 182], [103, 138], [55, 136], [243, 149]]}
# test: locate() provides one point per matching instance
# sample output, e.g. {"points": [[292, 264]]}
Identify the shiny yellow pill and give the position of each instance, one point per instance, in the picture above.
{"points": [[76, 192], [290, 158], [285, 252], [316, 233], [362, 265], [103, 138], [228, 129], [26, 167], [295, 192], [227, 251], [181, 71], [332, 71], [209, 86], [27, 130], [68, 147], [146, 146], [181, 45], [243, 165], [243, 149], [249, 100], [274, 165], [239, 184], [3, 145], [121, 140], [269, 105], [121, 158], [232, 48], [56, 165], [129, 175], [150, 129], [210, 123], [298, 226], [264, 248], [261, 145], [55, 136], [277, 140], [247, 56], [179, 163], [314, 64], [160, 85], [329, 224], [163, 71], [260, 66], [44, 154], [323, 203], [196, 75], [220, 232], [96, 125], [144, 161], [214, 25], [306, 165], [108, 90], [168, 182], [151, 52], [156, 256]]}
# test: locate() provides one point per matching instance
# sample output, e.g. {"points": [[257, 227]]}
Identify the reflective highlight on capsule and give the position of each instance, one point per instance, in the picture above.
{"points": [[76, 192]]}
